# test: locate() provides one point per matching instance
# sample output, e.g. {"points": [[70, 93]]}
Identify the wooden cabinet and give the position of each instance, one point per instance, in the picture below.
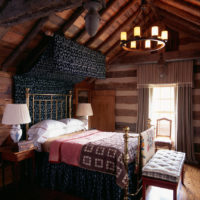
{"points": [[103, 105]]}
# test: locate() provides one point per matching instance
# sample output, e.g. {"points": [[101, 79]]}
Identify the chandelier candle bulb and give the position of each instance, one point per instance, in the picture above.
{"points": [[123, 36], [133, 44], [164, 35], [154, 31], [147, 44], [136, 31]]}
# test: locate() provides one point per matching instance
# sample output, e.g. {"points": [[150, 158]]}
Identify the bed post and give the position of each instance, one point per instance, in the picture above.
{"points": [[126, 158], [27, 102]]}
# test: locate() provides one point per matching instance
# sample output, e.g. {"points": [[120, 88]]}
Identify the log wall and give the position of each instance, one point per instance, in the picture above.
{"points": [[124, 80], [5, 98]]}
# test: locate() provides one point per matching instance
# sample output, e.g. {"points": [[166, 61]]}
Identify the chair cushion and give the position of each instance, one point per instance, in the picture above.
{"points": [[163, 140], [165, 165], [147, 145]]}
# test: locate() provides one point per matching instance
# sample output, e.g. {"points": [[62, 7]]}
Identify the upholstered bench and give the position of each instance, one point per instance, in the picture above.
{"points": [[164, 169]]}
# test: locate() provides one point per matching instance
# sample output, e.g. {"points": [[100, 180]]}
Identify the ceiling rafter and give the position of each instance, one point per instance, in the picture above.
{"points": [[194, 2], [180, 24], [178, 12], [28, 62], [72, 19], [184, 6], [118, 30], [101, 13], [122, 10], [22, 46], [27, 10]]}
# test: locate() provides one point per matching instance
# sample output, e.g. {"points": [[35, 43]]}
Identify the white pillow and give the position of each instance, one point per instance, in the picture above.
{"points": [[72, 122], [49, 124]]}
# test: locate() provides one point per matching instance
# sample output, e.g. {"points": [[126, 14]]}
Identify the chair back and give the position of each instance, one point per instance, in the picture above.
{"points": [[163, 128]]}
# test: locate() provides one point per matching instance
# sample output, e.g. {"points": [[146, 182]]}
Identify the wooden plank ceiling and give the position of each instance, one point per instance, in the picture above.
{"points": [[23, 36]]}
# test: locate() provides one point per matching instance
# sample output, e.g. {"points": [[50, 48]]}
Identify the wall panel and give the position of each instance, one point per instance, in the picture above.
{"points": [[5, 98]]}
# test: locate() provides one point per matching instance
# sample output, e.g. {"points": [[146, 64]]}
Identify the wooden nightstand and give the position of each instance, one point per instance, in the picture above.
{"points": [[11, 154]]}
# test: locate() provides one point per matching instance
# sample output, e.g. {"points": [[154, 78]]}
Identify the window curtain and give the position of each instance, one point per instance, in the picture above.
{"points": [[184, 125], [181, 74], [143, 109]]}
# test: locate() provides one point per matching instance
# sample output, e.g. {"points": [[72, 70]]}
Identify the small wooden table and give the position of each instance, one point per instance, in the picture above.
{"points": [[11, 154]]}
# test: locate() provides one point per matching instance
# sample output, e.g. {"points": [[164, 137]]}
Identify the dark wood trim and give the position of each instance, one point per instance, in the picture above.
{"points": [[196, 115], [120, 126], [196, 68], [196, 99], [122, 74], [101, 12], [27, 10], [126, 99], [119, 86], [21, 47], [125, 112], [121, 11], [197, 147], [197, 84], [153, 58], [197, 131]]}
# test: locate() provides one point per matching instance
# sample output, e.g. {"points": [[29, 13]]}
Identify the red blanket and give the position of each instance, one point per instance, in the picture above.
{"points": [[95, 150]]}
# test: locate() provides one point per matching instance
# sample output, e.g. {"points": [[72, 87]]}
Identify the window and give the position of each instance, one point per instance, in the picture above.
{"points": [[162, 105]]}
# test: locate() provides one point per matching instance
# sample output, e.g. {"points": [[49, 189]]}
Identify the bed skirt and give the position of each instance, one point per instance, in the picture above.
{"points": [[83, 183]]}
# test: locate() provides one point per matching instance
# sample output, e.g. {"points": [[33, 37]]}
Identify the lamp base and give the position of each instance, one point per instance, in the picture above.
{"points": [[16, 133]]}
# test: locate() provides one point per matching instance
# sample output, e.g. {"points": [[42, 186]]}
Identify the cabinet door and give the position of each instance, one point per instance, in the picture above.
{"points": [[103, 105]]}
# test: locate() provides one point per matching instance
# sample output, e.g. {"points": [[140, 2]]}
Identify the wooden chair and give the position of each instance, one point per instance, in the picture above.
{"points": [[163, 133]]}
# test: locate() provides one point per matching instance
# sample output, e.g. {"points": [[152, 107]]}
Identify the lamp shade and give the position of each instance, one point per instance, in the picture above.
{"points": [[16, 114], [84, 109]]}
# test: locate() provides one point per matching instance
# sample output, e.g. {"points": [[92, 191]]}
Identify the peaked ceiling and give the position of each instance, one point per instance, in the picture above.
{"points": [[24, 26]]}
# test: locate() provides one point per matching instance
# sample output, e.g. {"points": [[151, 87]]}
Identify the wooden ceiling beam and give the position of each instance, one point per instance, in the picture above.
{"points": [[180, 24], [13, 12], [194, 2], [178, 12], [182, 5], [72, 19], [122, 10], [153, 58], [22, 46], [101, 13], [116, 33]]}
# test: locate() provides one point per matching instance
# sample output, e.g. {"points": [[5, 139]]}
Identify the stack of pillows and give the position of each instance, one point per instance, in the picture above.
{"points": [[43, 130]]}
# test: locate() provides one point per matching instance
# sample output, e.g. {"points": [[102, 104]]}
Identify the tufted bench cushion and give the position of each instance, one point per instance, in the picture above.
{"points": [[166, 165]]}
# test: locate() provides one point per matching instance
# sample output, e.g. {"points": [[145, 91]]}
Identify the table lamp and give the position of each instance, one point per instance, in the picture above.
{"points": [[84, 110], [16, 114]]}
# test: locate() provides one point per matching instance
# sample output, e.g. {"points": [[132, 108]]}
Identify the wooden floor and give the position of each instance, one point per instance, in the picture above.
{"points": [[191, 190]]}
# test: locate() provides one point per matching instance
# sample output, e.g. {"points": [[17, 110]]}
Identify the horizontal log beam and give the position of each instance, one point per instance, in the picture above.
{"points": [[153, 58], [18, 11]]}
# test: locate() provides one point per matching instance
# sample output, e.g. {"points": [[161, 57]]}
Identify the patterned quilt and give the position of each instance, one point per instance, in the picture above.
{"points": [[95, 150], [106, 155]]}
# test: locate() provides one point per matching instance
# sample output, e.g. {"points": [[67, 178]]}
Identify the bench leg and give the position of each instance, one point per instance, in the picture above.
{"points": [[182, 175], [143, 190]]}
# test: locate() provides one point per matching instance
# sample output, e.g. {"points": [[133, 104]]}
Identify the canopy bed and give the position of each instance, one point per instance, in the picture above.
{"points": [[104, 165]]}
